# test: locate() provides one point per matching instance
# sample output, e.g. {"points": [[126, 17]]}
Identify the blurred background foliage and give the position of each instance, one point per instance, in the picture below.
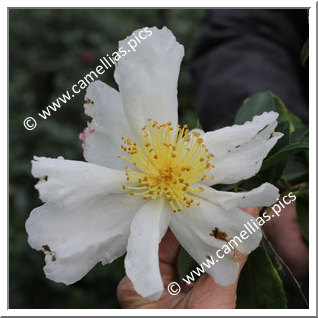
{"points": [[50, 50]]}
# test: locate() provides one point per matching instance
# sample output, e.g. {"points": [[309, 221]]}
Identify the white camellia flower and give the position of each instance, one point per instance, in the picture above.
{"points": [[145, 173]]}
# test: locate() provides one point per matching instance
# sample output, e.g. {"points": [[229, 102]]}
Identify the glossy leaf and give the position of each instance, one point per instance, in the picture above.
{"points": [[260, 285], [284, 152], [260, 103]]}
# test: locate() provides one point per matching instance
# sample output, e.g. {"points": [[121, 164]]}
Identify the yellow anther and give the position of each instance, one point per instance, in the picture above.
{"points": [[168, 162]]}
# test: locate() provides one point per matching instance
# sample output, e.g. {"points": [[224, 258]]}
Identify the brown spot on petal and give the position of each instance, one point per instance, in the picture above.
{"points": [[46, 250], [43, 178], [218, 234], [89, 101]]}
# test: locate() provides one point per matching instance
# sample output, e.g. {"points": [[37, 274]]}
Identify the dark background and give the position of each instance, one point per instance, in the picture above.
{"points": [[49, 51]]}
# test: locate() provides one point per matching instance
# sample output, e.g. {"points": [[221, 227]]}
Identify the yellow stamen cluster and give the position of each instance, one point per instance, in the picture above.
{"points": [[168, 162]]}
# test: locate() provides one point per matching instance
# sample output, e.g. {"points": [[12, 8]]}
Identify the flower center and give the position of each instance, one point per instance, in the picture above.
{"points": [[169, 162]]}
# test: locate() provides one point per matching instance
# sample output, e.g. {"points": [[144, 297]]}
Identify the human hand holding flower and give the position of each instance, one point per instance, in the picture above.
{"points": [[204, 293]]}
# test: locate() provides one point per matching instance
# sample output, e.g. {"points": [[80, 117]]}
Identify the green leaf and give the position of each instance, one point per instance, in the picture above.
{"points": [[302, 210], [294, 293], [293, 141], [259, 103], [251, 183], [185, 263], [260, 285], [284, 152], [301, 133], [296, 168], [262, 102], [304, 54]]}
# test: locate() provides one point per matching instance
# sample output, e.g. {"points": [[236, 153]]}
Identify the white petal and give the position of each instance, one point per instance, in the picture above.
{"points": [[227, 139], [86, 219], [142, 261], [75, 237], [264, 195], [240, 150], [193, 228], [147, 78], [102, 138], [70, 181], [243, 162]]}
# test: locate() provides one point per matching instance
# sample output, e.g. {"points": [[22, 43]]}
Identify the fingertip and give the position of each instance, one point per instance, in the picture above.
{"points": [[252, 211], [169, 249]]}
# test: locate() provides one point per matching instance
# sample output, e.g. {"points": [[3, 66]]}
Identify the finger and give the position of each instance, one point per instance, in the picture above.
{"points": [[252, 211], [168, 258], [208, 294], [285, 234], [128, 297]]}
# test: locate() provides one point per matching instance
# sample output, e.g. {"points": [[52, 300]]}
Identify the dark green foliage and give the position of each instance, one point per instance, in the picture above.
{"points": [[287, 167], [260, 285], [292, 147]]}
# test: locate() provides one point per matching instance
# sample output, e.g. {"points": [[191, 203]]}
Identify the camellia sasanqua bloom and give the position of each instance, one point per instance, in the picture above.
{"points": [[144, 174]]}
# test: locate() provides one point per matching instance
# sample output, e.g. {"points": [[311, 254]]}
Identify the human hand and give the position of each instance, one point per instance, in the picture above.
{"points": [[204, 293], [284, 232]]}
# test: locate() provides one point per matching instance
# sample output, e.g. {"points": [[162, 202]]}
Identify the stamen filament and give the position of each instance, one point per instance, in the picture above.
{"points": [[168, 162]]}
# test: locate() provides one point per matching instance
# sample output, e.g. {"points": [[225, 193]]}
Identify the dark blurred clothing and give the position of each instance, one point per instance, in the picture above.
{"points": [[241, 52]]}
